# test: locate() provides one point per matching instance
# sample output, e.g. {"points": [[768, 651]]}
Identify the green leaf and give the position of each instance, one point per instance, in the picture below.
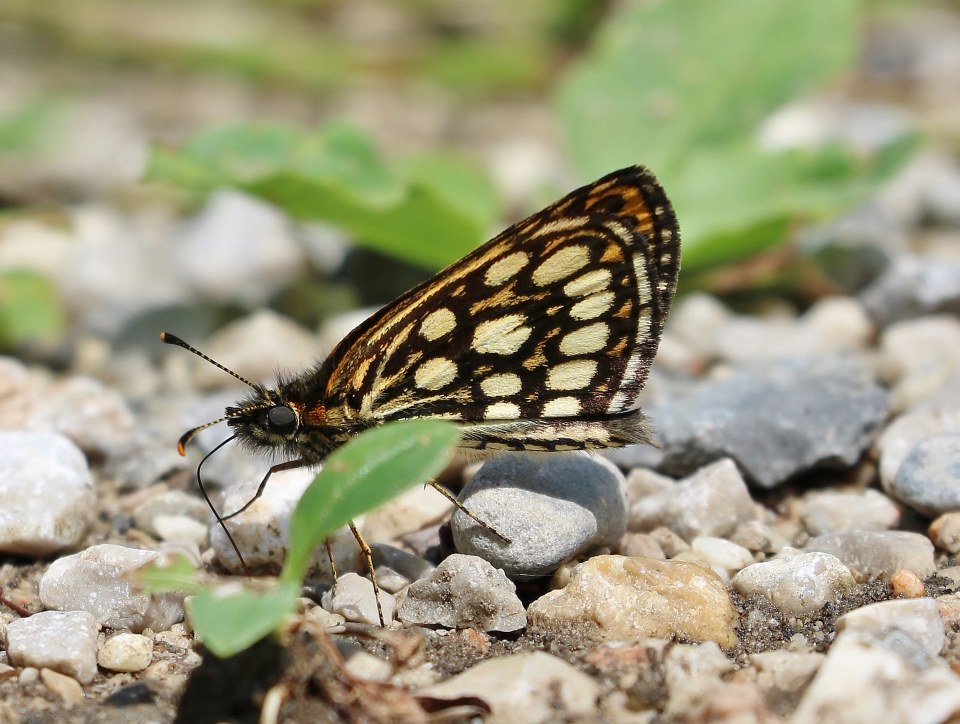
{"points": [[366, 472], [337, 175], [683, 87], [667, 79], [30, 310], [177, 574], [230, 619]]}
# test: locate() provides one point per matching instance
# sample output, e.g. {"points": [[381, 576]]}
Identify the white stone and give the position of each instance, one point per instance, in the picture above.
{"points": [[127, 652], [353, 598], [464, 592], [100, 581], [916, 618], [721, 553], [47, 493], [65, 641], [796, 584]]}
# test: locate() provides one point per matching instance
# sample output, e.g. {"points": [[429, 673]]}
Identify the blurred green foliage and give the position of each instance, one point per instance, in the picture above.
{"points": [[683, 87], [428, 210], [30, 311], [366, 472]]}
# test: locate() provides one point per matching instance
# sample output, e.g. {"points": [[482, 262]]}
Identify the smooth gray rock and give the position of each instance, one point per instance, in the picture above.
{"points": [[775, 420], [464, 592], [712, 502], [928, 479], [551, 508], [878, 553], [48, 501], [65, 641], [99, 581], [912, 287]]}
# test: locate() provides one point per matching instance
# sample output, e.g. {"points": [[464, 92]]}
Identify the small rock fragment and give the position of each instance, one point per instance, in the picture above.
{"points": [[796, 584], [634, 598], [912, 628], [464, 592], [126, 652], [906, 584], [353, 598], [63, 641], [869, 553], [47, 493], [578, 501], [782, 676], [66, 687], [720, 553], [835, 512], [540, 686], [99, 580], [712, 501], [945, 532]]}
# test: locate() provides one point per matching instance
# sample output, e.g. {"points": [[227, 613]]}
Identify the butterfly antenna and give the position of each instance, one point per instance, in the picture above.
{"points": [[168, 338], [212, 507], [189, 434]]}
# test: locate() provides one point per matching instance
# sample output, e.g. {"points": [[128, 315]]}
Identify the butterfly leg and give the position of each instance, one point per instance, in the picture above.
{"points": [[460, 506], [368, 556]]}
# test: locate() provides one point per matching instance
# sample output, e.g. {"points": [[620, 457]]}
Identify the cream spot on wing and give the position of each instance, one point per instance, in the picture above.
{"points": [[501, 385], [435, 373], [562, 407], [503, 269], [585, 340], [438, 323], [593, 306], [561, 264], [503, 335], [590, 283], [502, 411], [574, 375]]}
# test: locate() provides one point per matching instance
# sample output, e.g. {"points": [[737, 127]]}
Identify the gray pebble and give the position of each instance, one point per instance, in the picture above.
{"points": [[775, 420], [905, 433], [169, 503], [464, 592], [99, 580], [94, 416], [65, 641], [874, 553], [237, 248], [577, 502], [47, 493], [928, 479], [408, 565], [832, 511], [912, 287], [919, 357], [796, 584], [759, 537], [712, 501]]}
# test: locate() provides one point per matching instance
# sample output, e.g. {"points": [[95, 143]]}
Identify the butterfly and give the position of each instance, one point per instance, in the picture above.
{"points": [[539, 340]]}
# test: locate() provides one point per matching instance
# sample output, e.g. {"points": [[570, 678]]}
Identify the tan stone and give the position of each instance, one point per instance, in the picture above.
{"points": [[635, 598]]}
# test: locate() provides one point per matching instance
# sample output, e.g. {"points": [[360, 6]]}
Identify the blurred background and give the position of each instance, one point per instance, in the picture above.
{"points": [[191, 165]]}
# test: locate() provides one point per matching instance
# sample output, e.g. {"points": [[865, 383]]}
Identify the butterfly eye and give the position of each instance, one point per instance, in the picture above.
{"points": [[281, 419]]}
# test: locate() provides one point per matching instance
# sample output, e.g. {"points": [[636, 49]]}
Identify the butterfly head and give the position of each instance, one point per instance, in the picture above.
{"points": [[266, 419]]}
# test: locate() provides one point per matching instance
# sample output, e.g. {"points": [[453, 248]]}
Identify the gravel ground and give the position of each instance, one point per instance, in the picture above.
{"points": [[789, 553]]}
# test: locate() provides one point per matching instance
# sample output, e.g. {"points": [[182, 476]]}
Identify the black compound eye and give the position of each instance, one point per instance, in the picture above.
{"points": [[281, 419]]}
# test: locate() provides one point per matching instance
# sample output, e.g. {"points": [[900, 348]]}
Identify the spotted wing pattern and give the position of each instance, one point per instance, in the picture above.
{"points": [[540, 339]]}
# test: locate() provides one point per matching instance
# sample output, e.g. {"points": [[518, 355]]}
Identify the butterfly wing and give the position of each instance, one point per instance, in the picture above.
{"points": [[539, 339]]}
